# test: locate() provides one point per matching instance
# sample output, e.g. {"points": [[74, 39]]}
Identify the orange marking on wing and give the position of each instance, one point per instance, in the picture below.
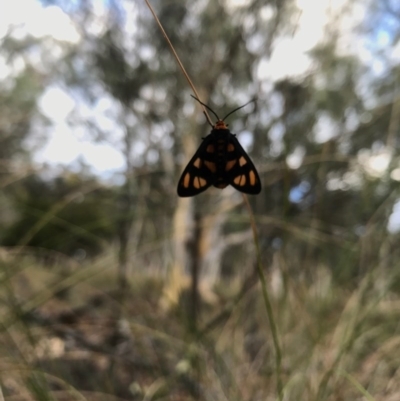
{"points": [[186, 180], [231, 148], [253, 178], [211, 166], [240, 180], [199, 182], [197, 162], [242, 161], [230, 164], [210, 148]]}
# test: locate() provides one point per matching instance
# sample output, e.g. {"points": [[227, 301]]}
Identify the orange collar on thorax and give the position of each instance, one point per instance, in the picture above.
{"points": [[220, 124]]}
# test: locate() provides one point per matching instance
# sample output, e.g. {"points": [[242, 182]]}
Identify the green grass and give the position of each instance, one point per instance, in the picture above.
{"points": [[337, 343]]}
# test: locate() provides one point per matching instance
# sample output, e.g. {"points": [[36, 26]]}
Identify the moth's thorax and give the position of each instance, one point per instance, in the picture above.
{"points": [[220, 125]]}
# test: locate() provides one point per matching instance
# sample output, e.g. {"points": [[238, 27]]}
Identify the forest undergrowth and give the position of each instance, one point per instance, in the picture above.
{"points": [[65, 335]]}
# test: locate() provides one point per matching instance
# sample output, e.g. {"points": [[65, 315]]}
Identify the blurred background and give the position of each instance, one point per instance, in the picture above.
{"points": [[112, 287]]}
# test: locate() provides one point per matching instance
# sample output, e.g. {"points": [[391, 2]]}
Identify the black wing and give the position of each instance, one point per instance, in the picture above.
{"points": [[200, 172], [240, 170]]}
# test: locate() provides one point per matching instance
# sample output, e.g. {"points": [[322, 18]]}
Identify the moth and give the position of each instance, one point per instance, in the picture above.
{"points": [[220, 161]]}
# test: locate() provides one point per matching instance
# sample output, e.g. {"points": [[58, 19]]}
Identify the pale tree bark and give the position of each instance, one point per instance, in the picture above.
{"points": [[125, 218], [213, 244], [182, 229]]}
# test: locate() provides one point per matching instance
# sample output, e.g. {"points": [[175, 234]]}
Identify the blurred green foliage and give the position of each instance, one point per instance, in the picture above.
{"points": [[63, 214]]}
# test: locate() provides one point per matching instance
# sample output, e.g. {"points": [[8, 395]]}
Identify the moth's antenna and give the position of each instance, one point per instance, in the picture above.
{"points": [[177, 57], [238, 108], [208, 107]]}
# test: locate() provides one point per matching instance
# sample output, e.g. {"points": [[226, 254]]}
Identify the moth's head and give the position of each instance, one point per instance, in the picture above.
{"points": [[220, 124]]}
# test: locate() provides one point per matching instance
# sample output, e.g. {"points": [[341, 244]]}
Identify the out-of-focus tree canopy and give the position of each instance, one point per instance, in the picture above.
{"points": [[324, 136]]}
